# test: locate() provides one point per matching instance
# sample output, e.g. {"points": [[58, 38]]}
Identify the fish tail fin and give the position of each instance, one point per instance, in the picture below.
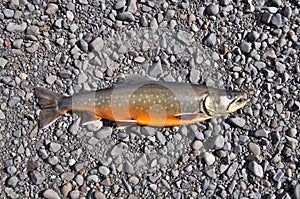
{"points": [[48, 101]]}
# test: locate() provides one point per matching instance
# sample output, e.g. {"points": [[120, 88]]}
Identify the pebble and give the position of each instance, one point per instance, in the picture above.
{"points": [[92, 178], [132, 7], [210, 40], [75, 194], [3, 62], [70, 15], [212, 9], [185, 37], [194, 76], [51, 9], [13, 101], [261, 133], [256, 169], [253, 36], [12, 181], [197, 145], [254, 148], [297, 191], [97, 44], [36, 177], [8, 13], [103, 170], [245, 47], [2, 116], [277, 20], [66, 188], [17, 44], [33, 30], [50, 194], [75, 127], [54, 147], [237, 122], [33, 48], [232, 169], [51, 79], [13, 27], [155, 69], [126, 16], [68, 176], [219, 141], [278, 175], [119, 149], [209, 158]]}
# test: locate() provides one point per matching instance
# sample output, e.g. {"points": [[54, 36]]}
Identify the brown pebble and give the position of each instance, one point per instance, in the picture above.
{"points": [[52, 8], [66, 189], [192, 18]]}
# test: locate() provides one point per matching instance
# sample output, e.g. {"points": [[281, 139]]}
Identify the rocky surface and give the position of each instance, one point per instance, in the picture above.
{"points": [[70, 47]]}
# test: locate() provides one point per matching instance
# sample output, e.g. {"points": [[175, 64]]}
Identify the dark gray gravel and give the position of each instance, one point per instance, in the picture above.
{"points": [[70, 47]]}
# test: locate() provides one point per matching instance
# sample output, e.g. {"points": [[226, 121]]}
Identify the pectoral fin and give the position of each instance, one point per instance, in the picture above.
{"points": [[188, 116]]}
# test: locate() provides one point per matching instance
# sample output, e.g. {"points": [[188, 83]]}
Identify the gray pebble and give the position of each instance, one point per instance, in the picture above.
{"points": [[212, 9], [237, 121], [36, 177], [231, 186], [11, 170], [82, 77], [266, 17], [97, 44], [185, 37], [13, 101], [33, 47], [17, 44], [8, 13], [210, 40], [119, 149], [120, 4], [153, 187], [209, 158], [3, 62], [256, 169], [197, 145], [103, 133], [128, 167], [276, 3], [33, 30], [287, 11], [253, 36], [43, 154], [254, 148], [261, 133], [93, 141], [280, 67], [126, 16], [219, 141], [2, 116], [67, 176], [75, 194], [50, 194], [276, 20], [297, 191], [74, 127], [278, 175], [103, 170], [51, 79], [245, 47], [11, 193], [194, 76], [13, 27], [83, 45], [54, 147], [53, 160], [211, 172], [79, 180], [231, 170], [92, 178], [155, 69], [161, 138], [12, 181], [132, 7]]}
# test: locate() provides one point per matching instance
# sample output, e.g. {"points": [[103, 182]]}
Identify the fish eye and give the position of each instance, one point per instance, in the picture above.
{"points": [[230, 95]]}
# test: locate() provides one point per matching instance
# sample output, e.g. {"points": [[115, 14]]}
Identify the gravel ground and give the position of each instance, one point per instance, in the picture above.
{"points": [[69, 47]]}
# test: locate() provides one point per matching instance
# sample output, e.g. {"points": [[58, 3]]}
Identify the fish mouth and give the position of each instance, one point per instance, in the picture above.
{"points": [[240, 101]]}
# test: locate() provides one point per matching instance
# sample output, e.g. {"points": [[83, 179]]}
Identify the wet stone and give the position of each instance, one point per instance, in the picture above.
{"points": [[256, 169], [277, 20], [126, 16], [210, 40], [212, 9]]}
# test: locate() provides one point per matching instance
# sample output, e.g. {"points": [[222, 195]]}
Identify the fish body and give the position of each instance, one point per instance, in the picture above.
{"points": [[141, 101]]}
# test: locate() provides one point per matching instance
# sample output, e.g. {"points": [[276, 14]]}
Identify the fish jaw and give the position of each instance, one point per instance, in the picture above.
{"points": [[238, 103]]}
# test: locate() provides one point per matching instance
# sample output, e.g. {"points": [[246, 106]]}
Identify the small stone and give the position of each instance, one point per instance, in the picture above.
{"points": [[276, 3], [210, 40], [194, 76], [50, 194], [75, 127], [237, 121], [83, 45], [133, 180], [84, 2], [266, 17], [10, 193], [75, 194], [67, 176], [219, 141], [119, 149], [17, 44], [139, 59], [36, 177], [280, 67], [65, 190], [99, 195], [8, 13], [153, 187], [261, 133], [185, 37], [70, 15], [120, 4], [54, 147], [13, 101], [93, 141], [245, 47], [51, 9], [103, 133], [53, 160], [132, 7], [13, 27], [155, 69], [128, 167], [254, 148], [212, 9], [256, 169], [209, 158], [197, 145], [82, 77], [12, 181], [232, 169], [103, 170], [51, 79], [297, 191], [277, 20], [79, 180], [278, 175], [126, 16], [3, 62], [33, 48], [33, 30], [253, 36]]}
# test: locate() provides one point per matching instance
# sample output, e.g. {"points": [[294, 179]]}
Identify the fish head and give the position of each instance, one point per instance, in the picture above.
{"points": [[218, 102]]}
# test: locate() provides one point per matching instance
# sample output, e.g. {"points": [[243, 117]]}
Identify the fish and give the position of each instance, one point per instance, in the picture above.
{"points": [[141, 101]]}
